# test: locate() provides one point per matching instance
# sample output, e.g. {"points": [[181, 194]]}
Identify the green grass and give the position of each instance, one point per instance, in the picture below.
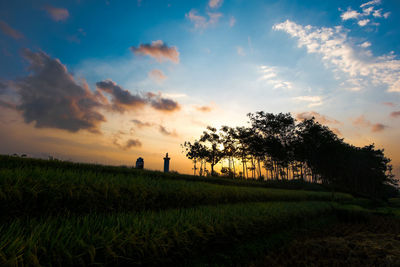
{"points": [[146, 238], [39, 192], [10, 162], [56, 213]]}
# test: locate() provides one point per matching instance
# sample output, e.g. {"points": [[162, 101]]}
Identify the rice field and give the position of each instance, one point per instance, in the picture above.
{"points": [[38, 191], [66, 214], [145, 238]]}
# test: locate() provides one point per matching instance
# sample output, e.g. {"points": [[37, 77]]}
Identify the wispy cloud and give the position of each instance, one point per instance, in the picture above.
{"points": [[141, 124], [165, 132], [56, 13], [395, 114], [162, 129], [157, 75], [365, 44], [240, 51], [203, 108], [361, 68], [373, 2], [7, 30], [215, 3], [158, 50], [118, 141], [202, 22], [271, 76], [375, 127], [367, 10], [318, 117], [232, 21], [312, 100], [389, 104]]}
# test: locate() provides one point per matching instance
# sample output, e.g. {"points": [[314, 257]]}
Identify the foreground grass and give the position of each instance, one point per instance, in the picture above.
{"points": [[152, 238], [41, 192], [374, 242]]}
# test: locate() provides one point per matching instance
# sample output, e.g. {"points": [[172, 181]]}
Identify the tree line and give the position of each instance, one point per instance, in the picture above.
{"points": [[277, 147]]}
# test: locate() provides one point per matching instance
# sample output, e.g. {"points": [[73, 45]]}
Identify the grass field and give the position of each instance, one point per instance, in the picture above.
{"points": [[59, 213]]}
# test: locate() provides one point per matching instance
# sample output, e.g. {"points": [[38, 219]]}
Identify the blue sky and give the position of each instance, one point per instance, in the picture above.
{"points": [[335, 60]]}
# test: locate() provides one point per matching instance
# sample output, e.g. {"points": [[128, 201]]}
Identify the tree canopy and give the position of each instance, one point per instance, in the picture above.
{"points": [[275, 146]]}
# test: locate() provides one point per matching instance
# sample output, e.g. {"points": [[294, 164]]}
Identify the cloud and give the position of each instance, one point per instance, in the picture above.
{"points": [[161, 129], [375, 127], [363, 22], [360, 67], [121, 99], [378, 127], [215, 3], [368, 9], [133, 143], [7, 30], [202, 22], [365, 44], [57, 14], [50, 97], [270, 75], [313, 100], [157, 75], [6, 104], [158, 50], [141, 124], [232, 21], [127, 144], [350, 14], [318, 117], [163, 104], [203, 108], [386, 15], [373, 2], [240, 51], [395, 114], [165, 132], [389, 104]]}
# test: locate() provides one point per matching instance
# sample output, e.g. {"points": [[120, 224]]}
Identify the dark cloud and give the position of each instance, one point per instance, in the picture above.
{"points": [[7, 30], [121, 99], [3, 87], [141, 124], [164, 131], [395, 114], [158, 50], [163, 104], [133, 143], [50, 97], [7, 104]]}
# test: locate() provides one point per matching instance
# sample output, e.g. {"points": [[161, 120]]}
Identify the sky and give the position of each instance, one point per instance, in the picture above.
{"points": [[109, 81]]}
